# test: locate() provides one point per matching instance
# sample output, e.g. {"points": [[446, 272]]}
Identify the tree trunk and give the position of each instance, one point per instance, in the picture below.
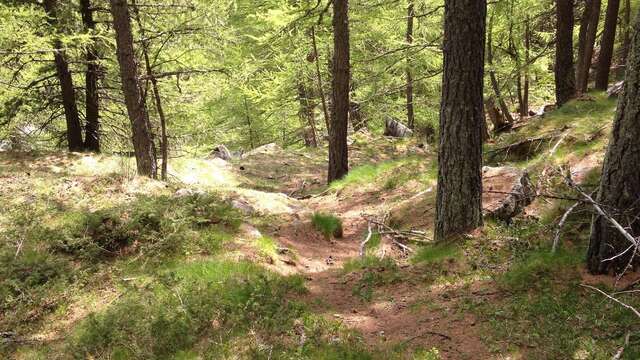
{"points": [[92, 102], [74, 129], [307, 114], [565, 76], [527, 57], [588, 33], [606, 45], [626, 42], [141, 132], [164, 145], [620, 182], [492, 76], [459, 196], [410, 112], [338, 151], [323, 99]]}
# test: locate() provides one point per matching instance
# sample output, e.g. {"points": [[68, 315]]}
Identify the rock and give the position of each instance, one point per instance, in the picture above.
{"points": [[394, 128], [182, 193], [507, 191], [250, 231], [243, 206], [221, 152], [615, 89], [265, 149], [5, 145]]}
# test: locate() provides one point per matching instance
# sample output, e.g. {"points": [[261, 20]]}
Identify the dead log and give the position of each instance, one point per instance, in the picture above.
{"points": [[395, 128]]}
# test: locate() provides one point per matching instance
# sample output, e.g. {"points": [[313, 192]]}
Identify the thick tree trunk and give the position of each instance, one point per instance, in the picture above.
{"points": [[588, 33], [74, 129], [459, 196], [307, 114], [565, 76], [92, 102], [620, 182], [338, 151], [141, 132], [606, 45], [410, 112]]}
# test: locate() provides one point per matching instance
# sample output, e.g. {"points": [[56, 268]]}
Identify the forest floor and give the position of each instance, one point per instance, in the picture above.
{"points": [[228, 260]]}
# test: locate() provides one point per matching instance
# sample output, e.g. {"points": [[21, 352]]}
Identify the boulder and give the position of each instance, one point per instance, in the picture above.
{"points": [[265, 149], [615, 89], [221, 152], [395, 128], [506, 192]]}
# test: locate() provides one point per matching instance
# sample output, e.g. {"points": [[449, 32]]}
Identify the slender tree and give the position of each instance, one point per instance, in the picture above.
{"points": [[606, 45], [565, 75], [338, 151], [92, 101], [459, 195], [587, 39], [620, 182], [494, 80], [411, 13], [74, 129], [141, 132], [626, 41]]}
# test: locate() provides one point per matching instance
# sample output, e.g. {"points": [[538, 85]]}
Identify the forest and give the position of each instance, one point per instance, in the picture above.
{"points": [[320, 179]]}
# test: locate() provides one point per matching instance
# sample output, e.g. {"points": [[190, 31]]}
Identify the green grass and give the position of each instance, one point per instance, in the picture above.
{"points": [[437, 253], [327, 224], [374, 272], [546, 312]]}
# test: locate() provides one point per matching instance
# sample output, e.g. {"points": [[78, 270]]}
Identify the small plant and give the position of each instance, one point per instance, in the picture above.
{"points": [[375, 272], [327, 224]]}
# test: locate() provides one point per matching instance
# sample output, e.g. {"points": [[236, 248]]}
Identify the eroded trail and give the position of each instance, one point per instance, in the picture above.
{"points": [[399, 306]]}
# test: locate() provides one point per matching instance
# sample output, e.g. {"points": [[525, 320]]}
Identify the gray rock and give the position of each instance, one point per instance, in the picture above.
{"points": [[395, 128], [221, 152]]}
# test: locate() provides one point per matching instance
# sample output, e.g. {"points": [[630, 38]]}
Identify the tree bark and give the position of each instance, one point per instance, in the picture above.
{"points": [[626, 42], [459, 195], [92, 101], [141, 132], [565, 76], [323, 99], [588, 33], [492, 76], [307, 114], [74, 129], [606, 45], [338, 151], [410, 112], [524, 108], [164, 145], [620, 182]]}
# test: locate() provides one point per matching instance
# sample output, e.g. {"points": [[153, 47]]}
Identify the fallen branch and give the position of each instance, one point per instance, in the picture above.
{"points": [[627, 306], [364, 243]]}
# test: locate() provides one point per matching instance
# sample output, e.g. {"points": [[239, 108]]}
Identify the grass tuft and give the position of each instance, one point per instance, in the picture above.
{"points": [[327, 224]]}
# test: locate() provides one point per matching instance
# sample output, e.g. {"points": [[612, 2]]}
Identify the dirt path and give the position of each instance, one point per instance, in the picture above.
{"points": [[412, 312]]}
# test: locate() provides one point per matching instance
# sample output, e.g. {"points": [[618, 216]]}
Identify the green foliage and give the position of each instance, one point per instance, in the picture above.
{"points": [[437, 253], [327, 224]]}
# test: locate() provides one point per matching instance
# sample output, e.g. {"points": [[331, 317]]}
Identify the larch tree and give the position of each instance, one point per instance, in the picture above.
{"points": [[459, 195], [92, 101], [587, 39], [606, 45], [411, 13], [74, 128], [564, 70], [619, 188], [136, 110], [338, 150]]}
